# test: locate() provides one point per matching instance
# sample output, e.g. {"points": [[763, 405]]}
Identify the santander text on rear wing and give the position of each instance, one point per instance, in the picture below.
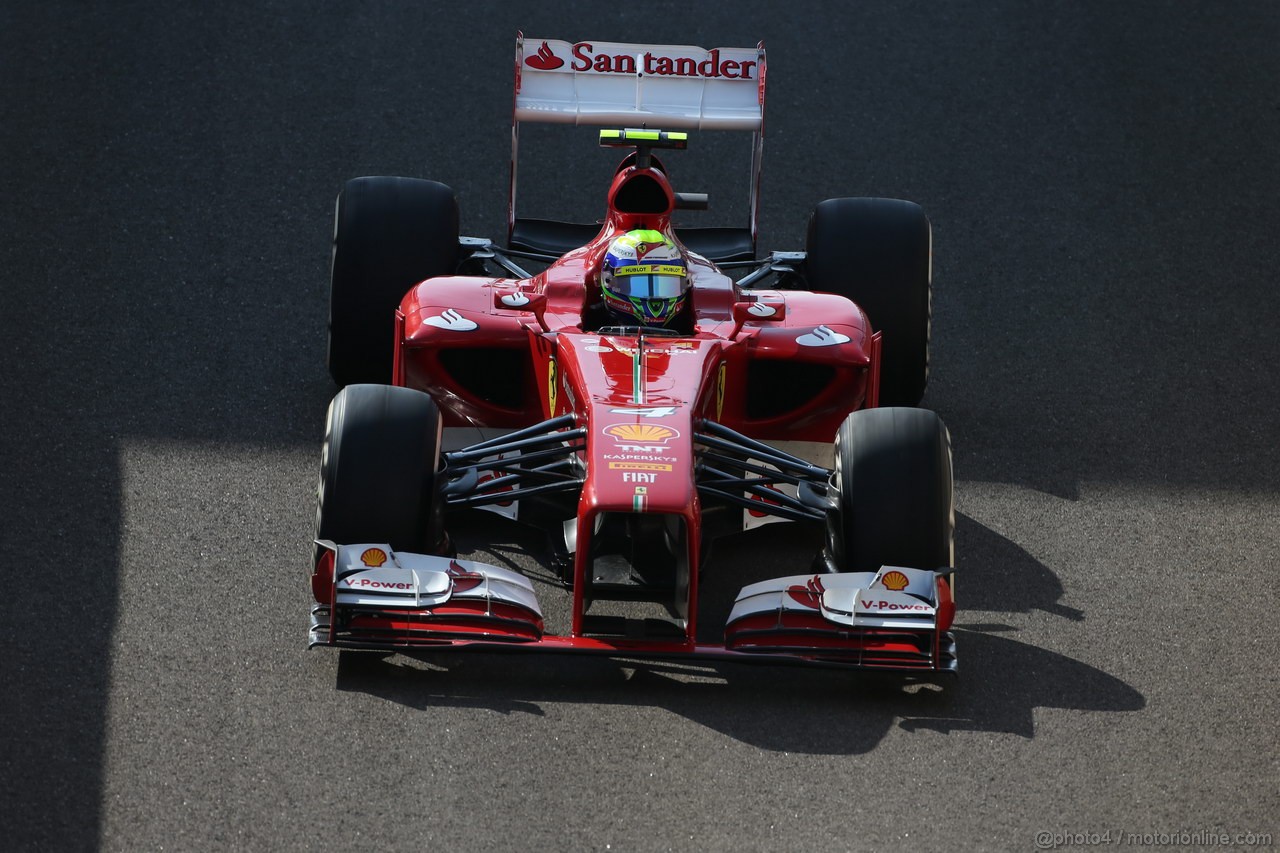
{"points": [[643, 86], [656, 86]]}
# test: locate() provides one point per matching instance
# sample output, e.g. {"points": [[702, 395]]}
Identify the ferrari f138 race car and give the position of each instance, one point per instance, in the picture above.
{"points": [[634, 400]]}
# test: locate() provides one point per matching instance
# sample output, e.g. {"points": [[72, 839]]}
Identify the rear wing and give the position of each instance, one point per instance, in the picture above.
{"points": [[666, 87]]}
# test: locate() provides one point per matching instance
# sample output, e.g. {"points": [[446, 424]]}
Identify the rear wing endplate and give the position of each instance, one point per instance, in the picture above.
{"points": [[667, 87]]}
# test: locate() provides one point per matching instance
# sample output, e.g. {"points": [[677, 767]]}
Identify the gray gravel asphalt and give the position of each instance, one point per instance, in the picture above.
{"points": [[1104, 191]]}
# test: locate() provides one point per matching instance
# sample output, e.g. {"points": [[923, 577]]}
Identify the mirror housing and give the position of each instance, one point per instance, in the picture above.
{"points": [[756, 312], [519, 300]]}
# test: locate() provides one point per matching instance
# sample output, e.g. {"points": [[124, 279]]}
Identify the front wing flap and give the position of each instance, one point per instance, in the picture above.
{"points": [[381, 597], [895, 618], [376, 597]]}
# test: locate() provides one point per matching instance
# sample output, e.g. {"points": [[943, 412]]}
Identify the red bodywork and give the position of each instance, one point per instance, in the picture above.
{"points": [[513, 353], [596, 378], [640, 401]]}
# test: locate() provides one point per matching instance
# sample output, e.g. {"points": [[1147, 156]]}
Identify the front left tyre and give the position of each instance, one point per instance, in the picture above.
{"points": [[378, 469]]}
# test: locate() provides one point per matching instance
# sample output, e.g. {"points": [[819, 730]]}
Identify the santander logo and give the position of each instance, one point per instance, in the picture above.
{"points": [[544, 59], [453, 321], [649, 61], [463, 580], [810, 595], [822, 337]]}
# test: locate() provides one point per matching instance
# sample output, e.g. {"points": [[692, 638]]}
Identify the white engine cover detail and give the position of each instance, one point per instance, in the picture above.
{"points": [[373, 574], [893, 597]]}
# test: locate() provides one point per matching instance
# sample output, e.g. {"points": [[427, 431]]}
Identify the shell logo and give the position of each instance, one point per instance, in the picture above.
{"points": [[895, 581], [373, 557], [641, 433]]}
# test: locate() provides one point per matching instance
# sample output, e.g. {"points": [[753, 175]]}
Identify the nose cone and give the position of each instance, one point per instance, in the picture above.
{"points": [[644, 398]]}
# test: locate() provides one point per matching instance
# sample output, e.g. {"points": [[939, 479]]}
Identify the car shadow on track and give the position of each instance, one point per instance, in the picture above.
{"points": [[822, 712], [995, 574], [782, 708]]}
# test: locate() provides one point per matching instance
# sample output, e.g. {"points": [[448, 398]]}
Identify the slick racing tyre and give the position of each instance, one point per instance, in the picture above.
{"points": [[893, 476], [877, 252], [388, 235], [378, 469]]}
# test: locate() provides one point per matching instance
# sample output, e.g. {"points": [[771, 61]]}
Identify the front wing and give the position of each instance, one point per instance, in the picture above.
{"points": [[374, 597]]}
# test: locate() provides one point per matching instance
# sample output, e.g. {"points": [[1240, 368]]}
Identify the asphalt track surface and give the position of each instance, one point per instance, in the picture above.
{"points": [[1103, 188]]}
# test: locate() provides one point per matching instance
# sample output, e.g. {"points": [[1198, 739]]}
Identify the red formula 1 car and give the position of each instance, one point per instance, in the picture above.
{"points": [[635, 440]]}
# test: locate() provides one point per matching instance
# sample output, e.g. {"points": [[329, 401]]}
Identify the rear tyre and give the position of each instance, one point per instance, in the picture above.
{"points": [[893, 475], [389, 234], [378, 469], [878, 253]]}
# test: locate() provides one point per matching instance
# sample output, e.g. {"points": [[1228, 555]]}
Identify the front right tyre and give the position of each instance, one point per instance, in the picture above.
{"points": [[877, 252], [893, 475], [389, 234]]}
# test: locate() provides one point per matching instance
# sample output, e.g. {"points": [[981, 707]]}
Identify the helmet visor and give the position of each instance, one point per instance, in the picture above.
{"points": [[650, 282]]}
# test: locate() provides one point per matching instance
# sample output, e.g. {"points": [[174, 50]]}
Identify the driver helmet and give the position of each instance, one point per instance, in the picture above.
{"points": [[644, 277]]}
